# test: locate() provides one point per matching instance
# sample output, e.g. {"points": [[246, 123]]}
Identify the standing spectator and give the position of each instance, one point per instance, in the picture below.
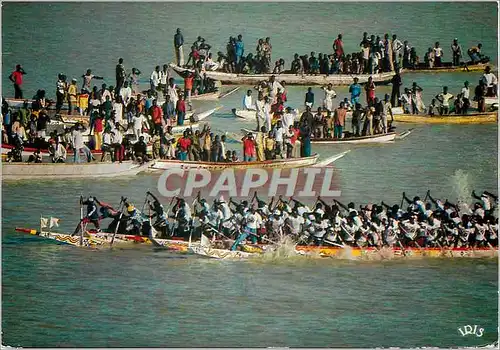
{"points": [[157, 117], [249, 152], [178, 42], [309, 100], [396, 86], [456, 49], [184, 144], [17, 78], [154, 80], [338, 46], [188, 88], [239, 51], [465, 96], [87, 80], [60, 92], [98, 128], [126, 93], [72, 96], [120, 75], [370, 91], [438, 54], [397, 46], [181, 110], [339, 121]]}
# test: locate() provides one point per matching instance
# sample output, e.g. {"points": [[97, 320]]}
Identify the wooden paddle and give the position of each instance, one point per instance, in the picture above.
{"points": [[119, 221]]}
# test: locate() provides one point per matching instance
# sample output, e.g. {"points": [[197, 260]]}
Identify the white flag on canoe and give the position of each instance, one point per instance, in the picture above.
{"points": [[44, 222], [54, 222]]}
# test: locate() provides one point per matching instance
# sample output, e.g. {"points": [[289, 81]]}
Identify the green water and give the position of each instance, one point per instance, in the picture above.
{"points": [[55, 295]]}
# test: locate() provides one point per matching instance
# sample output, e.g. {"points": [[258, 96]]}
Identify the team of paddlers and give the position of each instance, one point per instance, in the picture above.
{"points": [[427, 222]]}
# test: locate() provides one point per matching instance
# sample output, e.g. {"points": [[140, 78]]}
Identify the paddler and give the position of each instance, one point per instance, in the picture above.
{"points": [[92, 212], [136, 220], [161, 222], [249, 230]]}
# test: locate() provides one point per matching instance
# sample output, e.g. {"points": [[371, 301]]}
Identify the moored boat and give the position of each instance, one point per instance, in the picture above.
{"points": [[379, 138], [292, 79], [23, 171], [474, 118], [448, 67]]}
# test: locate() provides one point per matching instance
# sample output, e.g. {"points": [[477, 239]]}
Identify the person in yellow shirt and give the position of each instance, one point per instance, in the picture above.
{"points": [[260, 141], [83, 103], [72, 96], [270, 143]]}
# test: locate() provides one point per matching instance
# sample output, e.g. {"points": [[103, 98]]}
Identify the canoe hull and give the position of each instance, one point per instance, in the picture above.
{"points": [[359, 140], [293, 79], [242, 114], [477, 118], [280, 163], [24, 171], [450, 69]]}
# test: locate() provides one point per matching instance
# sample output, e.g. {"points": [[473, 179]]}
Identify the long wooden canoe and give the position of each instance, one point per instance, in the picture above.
{"points": [[23, 171], [448, 67], [103, 240], [292, 79], [268, 164], [250, 250], [476, 118], [379, 138]]}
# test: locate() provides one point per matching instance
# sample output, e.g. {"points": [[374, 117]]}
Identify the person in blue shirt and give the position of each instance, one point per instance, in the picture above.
{"points": [[240, 49], [355, 90]]}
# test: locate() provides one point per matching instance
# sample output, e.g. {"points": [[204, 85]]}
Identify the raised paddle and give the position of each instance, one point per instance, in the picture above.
{"points": [[81, 220], [120, 207]]}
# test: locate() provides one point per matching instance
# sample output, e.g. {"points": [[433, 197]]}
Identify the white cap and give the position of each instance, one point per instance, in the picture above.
{"points": [[277, 212]]}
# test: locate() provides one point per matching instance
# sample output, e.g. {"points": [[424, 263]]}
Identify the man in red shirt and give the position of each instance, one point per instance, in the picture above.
{"points": [[184, 143], [188, 87], [157, 116], [249, 152], [338, 46], [17, 78]]}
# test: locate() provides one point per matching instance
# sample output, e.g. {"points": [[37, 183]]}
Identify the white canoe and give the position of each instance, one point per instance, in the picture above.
{"points": [[380, 138], [330, 160], [212, 96], [291, 79], [243, 114], [268, 164], [23, 171]]}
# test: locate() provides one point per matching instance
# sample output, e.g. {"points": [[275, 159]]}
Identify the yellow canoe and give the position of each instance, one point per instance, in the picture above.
{"points": [[476, 118], [448, 68]]}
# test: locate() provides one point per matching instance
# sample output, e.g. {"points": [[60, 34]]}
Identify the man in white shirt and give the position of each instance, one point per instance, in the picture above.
{"points": [[126, 93], [397, 46], [490, 80], [118, 109], [438, 54], [279, 137], [247, 102], [274, 88], [261, 113], [288, 118], [444, 98], [78, 145], [138, 121], [155, 79], [164, 77]]}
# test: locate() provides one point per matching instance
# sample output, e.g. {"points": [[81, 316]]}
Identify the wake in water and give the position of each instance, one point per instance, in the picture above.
{"points": [[461, 188]]}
